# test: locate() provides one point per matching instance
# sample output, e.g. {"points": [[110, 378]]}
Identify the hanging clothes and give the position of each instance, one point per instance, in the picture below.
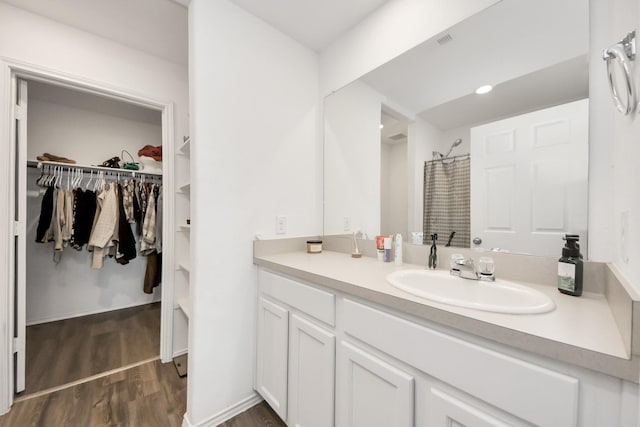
{"points": [[127, 201], [153, 272], [46, 212], [105, 226], [159, 212], [148, 241], [103, 220], [83, 215], [126, 242]]}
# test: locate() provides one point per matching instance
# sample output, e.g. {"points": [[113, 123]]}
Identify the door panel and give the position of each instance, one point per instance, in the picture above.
{"points": [[371, 392], [271, 372], [529, 180], [20, 206], [311, 374]]}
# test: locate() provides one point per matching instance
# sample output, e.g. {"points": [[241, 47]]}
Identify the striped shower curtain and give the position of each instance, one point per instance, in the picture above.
{"points": [[447, 194]]}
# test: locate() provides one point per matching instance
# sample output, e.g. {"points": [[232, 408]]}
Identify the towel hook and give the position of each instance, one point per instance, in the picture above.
{"points": [[623, 52]]}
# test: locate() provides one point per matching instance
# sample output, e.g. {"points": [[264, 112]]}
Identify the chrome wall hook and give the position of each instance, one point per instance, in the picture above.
{"points": [[623, 52]]}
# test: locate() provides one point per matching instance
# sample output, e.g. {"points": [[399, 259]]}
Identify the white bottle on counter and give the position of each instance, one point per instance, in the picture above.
{"points": [[397, 256]]}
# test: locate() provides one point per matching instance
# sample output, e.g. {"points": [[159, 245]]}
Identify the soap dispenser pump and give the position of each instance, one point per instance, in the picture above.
{"points": [[570, 267]]}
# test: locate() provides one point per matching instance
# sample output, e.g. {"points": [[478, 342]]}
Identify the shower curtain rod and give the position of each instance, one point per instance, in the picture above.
{"points": [[133, 173], [461, 156]]}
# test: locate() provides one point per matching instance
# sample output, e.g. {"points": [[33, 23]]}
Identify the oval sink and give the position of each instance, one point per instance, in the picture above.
{"points": [[500, 296]]}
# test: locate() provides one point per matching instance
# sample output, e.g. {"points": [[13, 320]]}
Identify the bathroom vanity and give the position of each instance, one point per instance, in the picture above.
{"points": [[338, 345]]}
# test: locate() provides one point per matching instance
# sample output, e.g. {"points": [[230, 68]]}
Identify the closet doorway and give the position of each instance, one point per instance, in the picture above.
{"points": [[61, 309]]}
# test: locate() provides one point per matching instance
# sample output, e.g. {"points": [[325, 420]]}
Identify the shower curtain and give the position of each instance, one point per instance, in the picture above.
{"points": [[447, 194]]}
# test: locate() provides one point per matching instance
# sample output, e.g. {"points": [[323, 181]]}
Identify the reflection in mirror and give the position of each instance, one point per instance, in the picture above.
{"points": [[393, 163]]}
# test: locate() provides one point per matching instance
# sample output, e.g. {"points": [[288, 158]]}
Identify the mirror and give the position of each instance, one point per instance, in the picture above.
{"points": [[381, 130]]}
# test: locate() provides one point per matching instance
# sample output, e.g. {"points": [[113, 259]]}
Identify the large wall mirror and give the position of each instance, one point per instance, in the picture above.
{"points": [[411, 148]]}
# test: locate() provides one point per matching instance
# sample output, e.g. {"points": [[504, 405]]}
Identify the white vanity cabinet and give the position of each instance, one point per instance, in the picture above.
{"points": [[295, 369], [457, 382], [328, 359]]}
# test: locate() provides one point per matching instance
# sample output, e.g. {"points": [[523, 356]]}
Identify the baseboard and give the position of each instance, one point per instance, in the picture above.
{"points": [[90, 312], [225, 414]]}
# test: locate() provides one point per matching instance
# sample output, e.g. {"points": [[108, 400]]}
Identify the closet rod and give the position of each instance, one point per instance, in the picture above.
{"points": [[38, 164]]}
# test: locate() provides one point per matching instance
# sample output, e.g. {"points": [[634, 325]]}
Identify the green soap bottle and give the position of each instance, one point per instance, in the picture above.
{"points": [[570, 267]]}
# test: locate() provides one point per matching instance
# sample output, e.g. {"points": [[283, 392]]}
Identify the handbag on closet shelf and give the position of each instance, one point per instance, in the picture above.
{"points": [[132, 165]]}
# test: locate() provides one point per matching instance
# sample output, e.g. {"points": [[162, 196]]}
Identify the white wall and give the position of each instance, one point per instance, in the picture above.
{"points": [[71, 288], [392, 29], [255, 155], [86, 136], [393, 194], [614, 149], [423, 139], [352, 156]]}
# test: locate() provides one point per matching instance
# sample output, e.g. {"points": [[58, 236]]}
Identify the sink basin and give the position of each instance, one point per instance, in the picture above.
{"points": [[500, 296]]}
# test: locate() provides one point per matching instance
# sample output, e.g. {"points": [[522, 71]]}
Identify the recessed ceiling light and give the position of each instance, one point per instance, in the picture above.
{"points": [[381, 125], [484, 89]]}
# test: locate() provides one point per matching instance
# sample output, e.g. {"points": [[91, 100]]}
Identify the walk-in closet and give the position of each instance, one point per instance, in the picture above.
{"points": [[92, 251]]}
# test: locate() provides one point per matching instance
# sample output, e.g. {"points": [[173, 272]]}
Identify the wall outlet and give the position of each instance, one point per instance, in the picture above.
{"points": [[346, 223], [281, 224]]}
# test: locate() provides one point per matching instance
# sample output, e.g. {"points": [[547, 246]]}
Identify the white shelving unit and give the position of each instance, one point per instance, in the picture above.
{"points": [[184, 266], [185, 188], [185, 148], [183, 235], [183, 304]]}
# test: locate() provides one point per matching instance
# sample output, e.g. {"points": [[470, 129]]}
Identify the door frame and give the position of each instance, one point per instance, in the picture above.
{"points": [[10, 70]]}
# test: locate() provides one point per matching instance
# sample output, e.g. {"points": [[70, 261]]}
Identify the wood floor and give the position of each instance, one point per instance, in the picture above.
{"points": [[68, 350], [149, 395], [260, 415]]}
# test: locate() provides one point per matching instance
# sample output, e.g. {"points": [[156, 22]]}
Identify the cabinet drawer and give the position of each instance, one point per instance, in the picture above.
{"points": [[311, 301], [506, 382]]}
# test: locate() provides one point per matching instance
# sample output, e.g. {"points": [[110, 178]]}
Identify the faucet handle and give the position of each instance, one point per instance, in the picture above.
{"points": [[455, 260], [486, 268]]}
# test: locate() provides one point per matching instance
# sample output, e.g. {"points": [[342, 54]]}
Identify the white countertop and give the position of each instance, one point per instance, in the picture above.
{"points": [[580, 329]]}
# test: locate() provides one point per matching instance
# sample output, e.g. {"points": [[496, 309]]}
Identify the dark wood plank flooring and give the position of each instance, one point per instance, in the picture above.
{"points": [[260, 415], [151, 394], [68, 350]]}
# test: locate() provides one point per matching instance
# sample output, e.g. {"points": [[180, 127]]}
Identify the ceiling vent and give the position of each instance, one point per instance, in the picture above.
{"points": [[444, 39]]}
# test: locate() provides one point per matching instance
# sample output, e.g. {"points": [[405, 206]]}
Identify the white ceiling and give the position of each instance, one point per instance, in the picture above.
{"points": [[158, 27], [497, 46], [315, 24]]}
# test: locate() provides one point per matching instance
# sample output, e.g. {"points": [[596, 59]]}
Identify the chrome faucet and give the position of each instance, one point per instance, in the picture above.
{"points": [[467, 268]]}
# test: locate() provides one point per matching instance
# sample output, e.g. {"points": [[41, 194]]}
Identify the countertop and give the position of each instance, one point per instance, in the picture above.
{"points": [[581, 330]]}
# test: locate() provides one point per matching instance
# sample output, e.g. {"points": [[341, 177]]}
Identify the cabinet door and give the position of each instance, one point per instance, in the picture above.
{"points": [[446, 410], [271, 369], [311, 374], [371, 392]]}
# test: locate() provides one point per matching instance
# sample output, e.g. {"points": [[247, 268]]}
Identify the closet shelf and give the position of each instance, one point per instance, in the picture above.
{"points": [[185, 147], [183, 303], [185, 188], [38, 164], [184, 266]]}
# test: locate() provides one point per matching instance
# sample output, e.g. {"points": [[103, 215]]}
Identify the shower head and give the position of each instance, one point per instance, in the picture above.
{"points": [[455, 144]]}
